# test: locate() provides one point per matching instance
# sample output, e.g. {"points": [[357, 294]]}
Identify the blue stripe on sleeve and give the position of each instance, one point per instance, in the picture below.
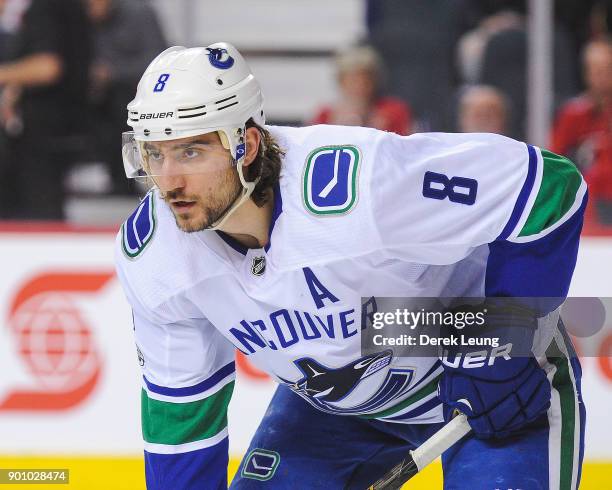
{"points": [[523, 197], [195, 389], [204, 469], [542, 268]]}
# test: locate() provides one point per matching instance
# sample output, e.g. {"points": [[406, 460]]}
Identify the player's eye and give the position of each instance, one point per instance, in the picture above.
{"points": [[155, 156], [191, 153]]}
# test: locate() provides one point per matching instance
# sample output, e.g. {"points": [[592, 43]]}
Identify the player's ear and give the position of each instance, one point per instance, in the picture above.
{"points": [[253, 140]]}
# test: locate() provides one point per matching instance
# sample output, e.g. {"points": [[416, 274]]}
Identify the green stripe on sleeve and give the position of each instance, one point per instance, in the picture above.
{"points": [[180, 423], [560, 183]]}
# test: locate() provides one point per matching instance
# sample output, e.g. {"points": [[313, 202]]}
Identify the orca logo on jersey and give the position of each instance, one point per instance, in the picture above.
{"points": [[258, 266], [141, 359], [323, 387], [330, 180], [331, 385]]}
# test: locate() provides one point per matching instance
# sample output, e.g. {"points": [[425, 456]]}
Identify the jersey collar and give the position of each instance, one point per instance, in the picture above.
{"points": [[276, 212]]}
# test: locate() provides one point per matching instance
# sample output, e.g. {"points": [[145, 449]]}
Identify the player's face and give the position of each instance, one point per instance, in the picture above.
{"points": [[598, 70], [198, 199], [358, 85]]}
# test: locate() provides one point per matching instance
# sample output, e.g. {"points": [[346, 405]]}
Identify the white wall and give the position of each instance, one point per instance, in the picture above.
{"points": [[275, 36], [264, 24]]}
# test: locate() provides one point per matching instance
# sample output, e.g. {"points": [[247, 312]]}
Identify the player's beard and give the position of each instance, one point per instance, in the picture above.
{"points": [[204, 214]]}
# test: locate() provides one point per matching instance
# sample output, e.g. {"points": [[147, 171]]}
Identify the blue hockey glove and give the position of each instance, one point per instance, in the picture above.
{"points": [[498, 399]]}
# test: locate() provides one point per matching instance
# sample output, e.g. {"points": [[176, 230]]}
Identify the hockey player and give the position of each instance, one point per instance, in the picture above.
{"points": [[265, 239]]}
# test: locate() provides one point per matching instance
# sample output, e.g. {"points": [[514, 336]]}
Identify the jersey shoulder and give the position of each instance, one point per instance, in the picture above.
{"points": [[479, 187], [349, 191], [325, 213], [155, 260]]}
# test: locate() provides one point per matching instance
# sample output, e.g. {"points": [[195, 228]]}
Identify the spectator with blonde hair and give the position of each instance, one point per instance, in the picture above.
{"points": [[361, 102]]}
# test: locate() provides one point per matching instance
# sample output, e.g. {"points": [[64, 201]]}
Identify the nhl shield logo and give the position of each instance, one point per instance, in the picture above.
{"points": [[258, 266]]}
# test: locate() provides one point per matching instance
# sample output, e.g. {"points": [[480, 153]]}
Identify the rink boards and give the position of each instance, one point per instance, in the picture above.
{"points": [[70, 383]]}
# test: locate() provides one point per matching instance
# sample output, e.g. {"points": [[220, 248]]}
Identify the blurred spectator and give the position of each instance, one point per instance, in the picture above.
{"points": [[587, 115], [417, 39], [4, 42], [127, 36], [361, 102], [360, 74], [583, 127], [495, 53], [4, 34], [483, 109], [471, 46], [576, 17], [45, 88], [599, 178], [601, 19]]}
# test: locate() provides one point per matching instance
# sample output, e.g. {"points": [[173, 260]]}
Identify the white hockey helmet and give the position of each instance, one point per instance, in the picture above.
{"points": [[189, 91], [185, 92]]}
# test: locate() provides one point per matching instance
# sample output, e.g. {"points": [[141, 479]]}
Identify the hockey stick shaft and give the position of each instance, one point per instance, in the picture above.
{"points": [[424, 454]]}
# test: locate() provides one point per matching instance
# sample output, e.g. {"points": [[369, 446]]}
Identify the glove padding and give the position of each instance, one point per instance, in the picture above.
{"points": [[497, 407]]}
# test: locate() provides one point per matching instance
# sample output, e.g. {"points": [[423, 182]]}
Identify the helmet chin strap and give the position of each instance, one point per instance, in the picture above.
{"points": [[247, 190], [247, 187]]}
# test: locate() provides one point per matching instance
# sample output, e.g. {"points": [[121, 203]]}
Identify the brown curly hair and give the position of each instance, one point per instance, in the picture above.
{"points": [[267, 165]]}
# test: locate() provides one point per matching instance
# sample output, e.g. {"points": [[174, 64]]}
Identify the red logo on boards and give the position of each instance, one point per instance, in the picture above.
{"points": [[54, 341]]}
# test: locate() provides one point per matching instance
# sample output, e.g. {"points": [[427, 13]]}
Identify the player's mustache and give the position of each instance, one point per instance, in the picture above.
{"points": [[177, 195]]}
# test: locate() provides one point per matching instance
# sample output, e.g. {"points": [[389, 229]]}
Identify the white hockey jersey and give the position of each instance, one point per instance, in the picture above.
{"points": [[358, 213]]}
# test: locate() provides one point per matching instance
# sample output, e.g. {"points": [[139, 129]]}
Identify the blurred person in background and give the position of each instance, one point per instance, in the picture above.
{"points": [[42, 107], [483, 109], [495, 54], [589, 113], [4, 34], [583, 127], [4, 42], [126, 37], [361, 102], [600, 20], [416, 40], [471, 46]]}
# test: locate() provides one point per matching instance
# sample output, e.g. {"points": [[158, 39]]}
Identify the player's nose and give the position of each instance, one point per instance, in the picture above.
{"points": [[171, 176], [170, 183]]}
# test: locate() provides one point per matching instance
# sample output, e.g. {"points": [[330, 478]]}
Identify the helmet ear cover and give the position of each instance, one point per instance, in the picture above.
{"points": [[224, 140]]}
